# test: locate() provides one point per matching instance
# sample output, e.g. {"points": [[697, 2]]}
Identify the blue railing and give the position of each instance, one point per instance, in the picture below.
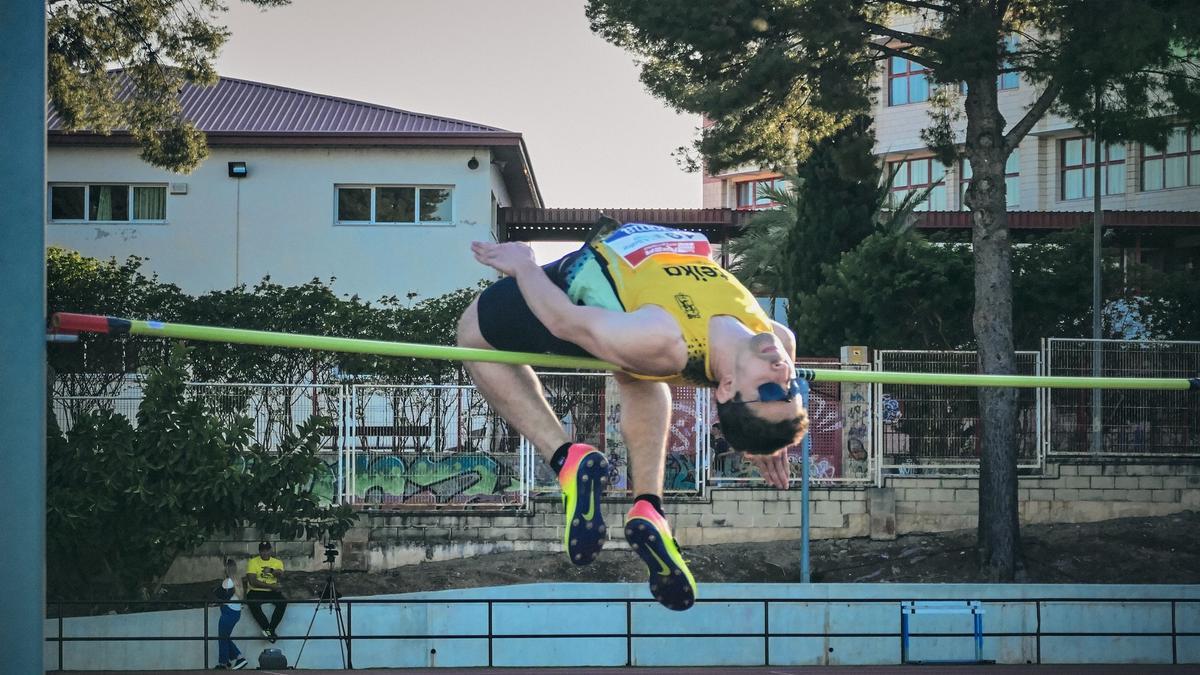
{"points": [[901, 633]]}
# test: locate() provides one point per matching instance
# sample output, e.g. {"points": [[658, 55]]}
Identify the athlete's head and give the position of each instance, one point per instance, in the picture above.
{"points": [[758, 403]]}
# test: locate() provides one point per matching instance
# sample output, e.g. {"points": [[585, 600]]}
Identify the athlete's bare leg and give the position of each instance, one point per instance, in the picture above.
{"points": [[513, 391], [645, 421]]}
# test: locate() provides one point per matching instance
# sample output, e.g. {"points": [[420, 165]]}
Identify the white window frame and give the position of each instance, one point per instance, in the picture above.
{"points": [[417, 187], [87, 189]]}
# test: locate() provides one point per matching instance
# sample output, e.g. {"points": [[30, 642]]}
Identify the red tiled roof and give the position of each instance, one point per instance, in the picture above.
{"points": [[234, 106]]}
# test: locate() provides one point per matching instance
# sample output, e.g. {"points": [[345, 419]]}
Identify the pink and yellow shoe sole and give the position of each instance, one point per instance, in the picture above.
{"points": [[583, 478], [671, 582]]}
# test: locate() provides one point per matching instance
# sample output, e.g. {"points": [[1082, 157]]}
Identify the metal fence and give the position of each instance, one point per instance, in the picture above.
{"points": [[1132, 422], [274, 411], [932, 430], [838, 434], [394, 446]]}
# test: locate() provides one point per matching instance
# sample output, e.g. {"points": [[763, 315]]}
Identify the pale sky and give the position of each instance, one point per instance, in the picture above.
{"points": [[596, 138]]}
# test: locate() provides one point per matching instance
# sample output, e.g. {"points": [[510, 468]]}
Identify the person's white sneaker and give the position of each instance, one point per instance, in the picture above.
{"points": [[238, 663]]}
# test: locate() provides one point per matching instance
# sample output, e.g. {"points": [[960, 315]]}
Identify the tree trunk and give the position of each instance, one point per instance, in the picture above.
{"points": [[999, 539]]}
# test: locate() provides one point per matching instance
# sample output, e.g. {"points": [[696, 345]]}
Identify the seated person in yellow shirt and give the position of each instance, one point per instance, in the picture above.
{"points": [[263, 573]]}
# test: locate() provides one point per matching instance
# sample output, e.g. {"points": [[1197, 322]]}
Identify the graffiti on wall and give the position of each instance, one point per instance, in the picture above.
{"points": [[680, 474], [857, 412], [825, 437], [423, 479]]}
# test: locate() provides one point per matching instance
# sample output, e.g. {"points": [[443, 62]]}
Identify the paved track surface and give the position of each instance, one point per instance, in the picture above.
{"points": [[915, 669]]}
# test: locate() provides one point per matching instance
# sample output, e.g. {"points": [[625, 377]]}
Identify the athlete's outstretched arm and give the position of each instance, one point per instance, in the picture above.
{"points": [[633, 341]]}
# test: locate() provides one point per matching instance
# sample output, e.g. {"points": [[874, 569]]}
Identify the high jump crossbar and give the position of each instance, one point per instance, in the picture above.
{"points": [[64, 322]]}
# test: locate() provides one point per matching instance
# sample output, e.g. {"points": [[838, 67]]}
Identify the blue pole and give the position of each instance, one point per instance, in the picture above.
{"points": [[23, 331], [805, 447]]}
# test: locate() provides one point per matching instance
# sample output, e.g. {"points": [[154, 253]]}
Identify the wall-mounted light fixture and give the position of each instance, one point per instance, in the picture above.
{"points": [[238, 170], [472, 163]]}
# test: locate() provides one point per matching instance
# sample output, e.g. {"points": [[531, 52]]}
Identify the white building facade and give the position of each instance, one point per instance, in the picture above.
{"points": [[297, 186]]}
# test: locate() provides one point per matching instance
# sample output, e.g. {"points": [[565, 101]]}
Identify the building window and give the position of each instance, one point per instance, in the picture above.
{"points": [[912, 175], [908, 82], [1077, 165], [1008, 80], [1012, 182], [1176, 165], [750, 193], [394, 205], [107, 203], [1004, 81]]}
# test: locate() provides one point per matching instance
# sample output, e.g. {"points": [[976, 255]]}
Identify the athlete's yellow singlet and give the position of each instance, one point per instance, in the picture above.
{"points": [[673, 269]]}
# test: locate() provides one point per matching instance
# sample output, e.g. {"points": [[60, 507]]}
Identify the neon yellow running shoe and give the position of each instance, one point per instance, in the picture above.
{"points": [[671, 582], [583, 477]]}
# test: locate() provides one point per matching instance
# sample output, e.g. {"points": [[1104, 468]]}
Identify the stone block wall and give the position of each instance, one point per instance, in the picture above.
{"points": [[1065, 493]]}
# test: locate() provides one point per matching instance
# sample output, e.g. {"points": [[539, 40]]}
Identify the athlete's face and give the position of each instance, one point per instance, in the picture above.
{"points": [[763, 375]]}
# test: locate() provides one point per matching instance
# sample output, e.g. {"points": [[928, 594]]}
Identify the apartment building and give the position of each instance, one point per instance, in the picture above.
{"points": [[1051, 171]]}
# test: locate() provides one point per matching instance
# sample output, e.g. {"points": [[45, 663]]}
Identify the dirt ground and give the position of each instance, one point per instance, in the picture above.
{"points": [[1162, 550]]}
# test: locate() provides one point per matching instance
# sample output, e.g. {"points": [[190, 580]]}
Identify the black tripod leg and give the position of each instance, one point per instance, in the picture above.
{"points": [[330, 594], [313, 620], [343, 638]]}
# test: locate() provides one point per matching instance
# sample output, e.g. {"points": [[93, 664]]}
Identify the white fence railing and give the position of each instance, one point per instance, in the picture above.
{"points": [[395, 446]]}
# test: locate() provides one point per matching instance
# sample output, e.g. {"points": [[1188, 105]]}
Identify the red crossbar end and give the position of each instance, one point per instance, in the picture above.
{"points": [[88, 323]]}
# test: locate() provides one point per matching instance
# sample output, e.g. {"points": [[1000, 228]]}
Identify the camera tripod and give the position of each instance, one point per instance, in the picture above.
{"points": [[330, 595]]}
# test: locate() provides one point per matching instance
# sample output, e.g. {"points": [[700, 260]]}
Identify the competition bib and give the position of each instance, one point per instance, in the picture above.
{"points": [[636, 242]]}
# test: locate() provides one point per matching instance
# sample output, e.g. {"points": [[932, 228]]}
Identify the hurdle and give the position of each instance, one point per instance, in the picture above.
{"points": [[943, 607]]}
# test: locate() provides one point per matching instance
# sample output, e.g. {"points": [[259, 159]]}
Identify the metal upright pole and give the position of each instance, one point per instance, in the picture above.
{"points": [[805, 447], [23, 332], [1097, 260]]}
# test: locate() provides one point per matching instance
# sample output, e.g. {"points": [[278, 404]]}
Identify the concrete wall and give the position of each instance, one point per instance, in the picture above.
{"points": [[279, 221], [819, 620], [1068, 493]]}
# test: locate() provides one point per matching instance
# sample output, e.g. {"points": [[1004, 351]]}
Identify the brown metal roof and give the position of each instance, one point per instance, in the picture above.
{"points": [[534, 224], [237, 112], [239, 106], [1062, 220]]}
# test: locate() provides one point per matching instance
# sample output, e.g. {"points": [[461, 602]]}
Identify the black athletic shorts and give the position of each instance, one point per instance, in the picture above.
{"points": [[507, 323]]}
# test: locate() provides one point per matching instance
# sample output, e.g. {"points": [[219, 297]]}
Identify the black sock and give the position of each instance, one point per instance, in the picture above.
{"points": [[559, 458], [655, 501]]}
